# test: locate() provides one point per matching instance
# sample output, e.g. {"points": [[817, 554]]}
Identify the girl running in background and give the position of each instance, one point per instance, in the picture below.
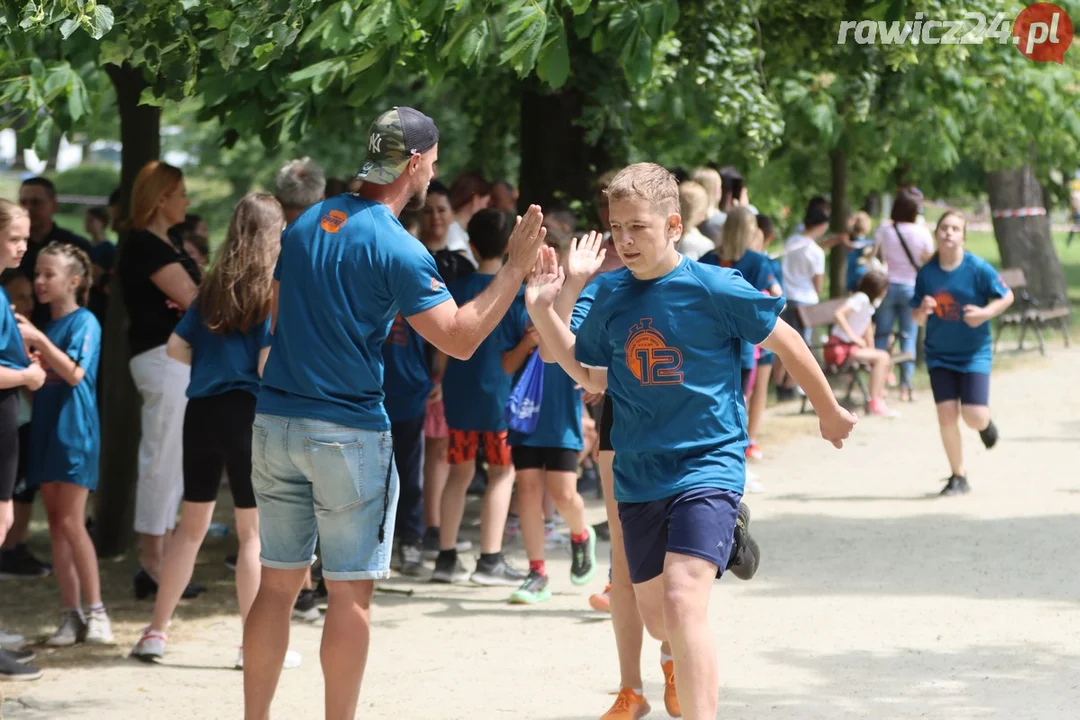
{"points": [[225, 338], [65, 436], [853, 337], [956, 296]]}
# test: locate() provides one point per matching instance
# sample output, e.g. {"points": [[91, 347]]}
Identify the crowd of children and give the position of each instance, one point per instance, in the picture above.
{"points": [[604, 317]]}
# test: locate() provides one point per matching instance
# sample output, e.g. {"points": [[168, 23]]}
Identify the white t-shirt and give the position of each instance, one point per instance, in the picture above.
{"points": [[803, 259], [693, 244], [919, 242], [861, 310], [457, 240]]}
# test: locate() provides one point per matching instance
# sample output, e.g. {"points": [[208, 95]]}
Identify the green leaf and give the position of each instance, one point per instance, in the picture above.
{"points": [[524, 34], [77, 98], [553, 66], [365, 61], [188, 4], [114, 52], [472, 42], [57, 79], [580, 6], [219, 18], [43, 136], [68, 27], [37, 68], [671, 15], [228, 55], [262, 52], [313, 71], [101, 22], [149, 98], [239, 35]]}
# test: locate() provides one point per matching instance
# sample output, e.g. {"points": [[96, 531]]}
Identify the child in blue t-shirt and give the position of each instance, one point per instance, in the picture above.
{"points": [[860, 249], [475, 392], [957, 294], [65, 436], [547, 458], [225, 337], [663, 338]]}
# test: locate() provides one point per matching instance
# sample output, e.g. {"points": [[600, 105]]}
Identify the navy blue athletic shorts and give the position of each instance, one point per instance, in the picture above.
{"points": [[968, 388]]}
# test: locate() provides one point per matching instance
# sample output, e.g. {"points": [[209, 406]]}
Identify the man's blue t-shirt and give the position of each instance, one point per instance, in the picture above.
{"points": [[346, 268], [855, 268], [950, 343], [65, 433], [757, 269], [559, 424], [220, 363], [406, 376], [475, 391], [12, 351], [671, 347]]}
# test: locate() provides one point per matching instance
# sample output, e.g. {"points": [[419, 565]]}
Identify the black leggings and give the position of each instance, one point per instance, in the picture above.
{"points": [[217, 437], [9, 442]]}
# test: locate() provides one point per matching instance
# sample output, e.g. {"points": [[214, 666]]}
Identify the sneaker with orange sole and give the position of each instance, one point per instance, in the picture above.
{"points": [[671, 697], [601, 601], [753, 451], [629, 705]]}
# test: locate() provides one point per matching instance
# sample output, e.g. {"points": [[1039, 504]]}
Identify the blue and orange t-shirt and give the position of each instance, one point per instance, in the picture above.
{"points": [[758, 270], [672, 350], [406, 375]]}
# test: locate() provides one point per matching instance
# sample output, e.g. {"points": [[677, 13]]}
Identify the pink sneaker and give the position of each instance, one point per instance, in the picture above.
{"points": [[880, 409]]}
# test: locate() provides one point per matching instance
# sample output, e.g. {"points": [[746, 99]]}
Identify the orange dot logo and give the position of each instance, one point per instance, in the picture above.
{"points": [[1043, 32], [333, 221]]}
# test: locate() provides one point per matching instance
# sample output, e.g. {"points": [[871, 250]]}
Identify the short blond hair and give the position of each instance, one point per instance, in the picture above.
{"points": [[860, 224], [710, 180], [647, 181], [693, 203]]}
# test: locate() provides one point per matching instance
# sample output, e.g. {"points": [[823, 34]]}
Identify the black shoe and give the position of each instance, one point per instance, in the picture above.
{"points": [[956, 485], [13, 670], [411, 559], [589, 480], [305, 607], [989, 436], [449, 568], [745, 554], [22, 656], [583, 559], [494, 570], [320, 590], [19, 563], [146, 586], [230, 562], [603, 532], [478, 486], [784, 394]]}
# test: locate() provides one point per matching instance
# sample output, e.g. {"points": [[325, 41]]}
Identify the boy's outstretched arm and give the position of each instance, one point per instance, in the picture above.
{"points": [[789, 346], [583, 260]]}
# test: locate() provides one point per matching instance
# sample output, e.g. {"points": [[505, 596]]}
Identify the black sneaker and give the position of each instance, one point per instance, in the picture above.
{"points": [[22, 656], [583, 559], [448, 569], [989, 436], [956, 485], [11, 670], [19, 563], [305, 607], [496, 571], [745, 554], [411, 559]]}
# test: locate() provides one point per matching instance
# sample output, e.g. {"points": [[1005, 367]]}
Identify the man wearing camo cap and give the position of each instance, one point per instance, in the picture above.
{"points": [[322, 461]]}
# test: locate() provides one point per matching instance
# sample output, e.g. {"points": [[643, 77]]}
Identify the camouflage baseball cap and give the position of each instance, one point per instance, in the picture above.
{"points": [[394, 138]]}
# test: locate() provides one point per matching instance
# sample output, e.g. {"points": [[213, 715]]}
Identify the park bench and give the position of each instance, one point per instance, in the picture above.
{"points": [[1027, 314], [854, 372]]}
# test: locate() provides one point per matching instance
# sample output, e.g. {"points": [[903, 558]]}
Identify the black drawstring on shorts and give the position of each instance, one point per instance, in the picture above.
{"points": [[386, 497]]}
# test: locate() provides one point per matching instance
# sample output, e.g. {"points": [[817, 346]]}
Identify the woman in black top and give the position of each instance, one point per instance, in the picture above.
{"points": [[158, 280]]}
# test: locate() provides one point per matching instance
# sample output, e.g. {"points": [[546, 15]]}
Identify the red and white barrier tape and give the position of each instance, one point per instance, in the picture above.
{"points": [[1019, 212]]}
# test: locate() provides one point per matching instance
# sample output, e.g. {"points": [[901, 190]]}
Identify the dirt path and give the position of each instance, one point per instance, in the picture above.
{"points": [[875, 599]]}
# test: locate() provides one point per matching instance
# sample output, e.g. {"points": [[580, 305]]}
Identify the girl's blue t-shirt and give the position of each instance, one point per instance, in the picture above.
{"points": [[65, 432], [950, 342], [855, 268], [757, 269], [220, 363], [12, 353]]}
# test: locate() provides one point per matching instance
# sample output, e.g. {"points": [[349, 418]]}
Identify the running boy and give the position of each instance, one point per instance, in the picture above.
{"points": [[475, 392], [663, 338], [956, 296]]}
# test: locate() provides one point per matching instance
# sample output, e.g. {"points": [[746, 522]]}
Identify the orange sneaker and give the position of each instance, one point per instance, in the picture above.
{"points": [[629, 705], [601, 601], [671, 697], [753, 451]]}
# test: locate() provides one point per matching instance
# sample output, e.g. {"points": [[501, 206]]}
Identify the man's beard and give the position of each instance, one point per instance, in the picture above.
{"points": [[417, 201]]}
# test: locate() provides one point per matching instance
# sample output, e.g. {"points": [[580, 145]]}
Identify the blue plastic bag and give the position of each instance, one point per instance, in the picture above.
{"points": [[523, 407]]}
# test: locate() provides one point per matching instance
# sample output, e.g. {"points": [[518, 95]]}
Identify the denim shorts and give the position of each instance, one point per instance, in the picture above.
{"points": [[318, 480]]}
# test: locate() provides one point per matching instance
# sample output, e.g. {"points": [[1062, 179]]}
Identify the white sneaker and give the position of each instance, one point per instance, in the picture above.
{"points": [[99, 629], [71, 630], [11, 641], [753, 485], [151, 645], [292, 660]]}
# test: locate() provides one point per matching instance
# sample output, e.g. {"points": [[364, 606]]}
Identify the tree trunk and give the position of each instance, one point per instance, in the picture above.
{"points": [[19, 163], [115, 498], [54, 153], [1025, 242], [557, 165], [840, 211]]}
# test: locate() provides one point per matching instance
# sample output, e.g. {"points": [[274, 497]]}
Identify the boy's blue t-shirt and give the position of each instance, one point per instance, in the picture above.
{"points": [[559, 424], [757, 269], [12, 352], [950, 343], [346, 268], [671, 347], [406, 376], [475, 391], [64, 434], [856, 269], [220, 363]]}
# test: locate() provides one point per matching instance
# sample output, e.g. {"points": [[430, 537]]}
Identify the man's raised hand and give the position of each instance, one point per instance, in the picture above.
{"points": [[526, 240]]}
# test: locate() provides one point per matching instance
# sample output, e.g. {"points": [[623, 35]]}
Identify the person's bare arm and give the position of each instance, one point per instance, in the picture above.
{"points": [[819, 284], [177, 285], [264, 354], [59, 361], [178, 349], [458, 331], [583, 261], [974, 316], [274, 306], [840, 316], [32, 377], [921, 313]]}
